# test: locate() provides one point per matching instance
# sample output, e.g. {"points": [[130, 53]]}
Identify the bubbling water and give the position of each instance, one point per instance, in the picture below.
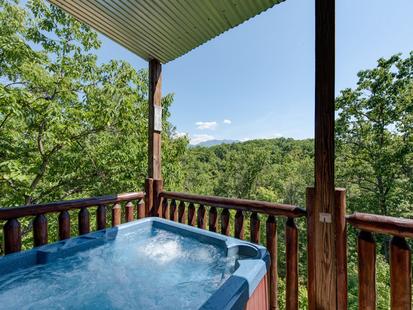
{"points": [[138, 270]]}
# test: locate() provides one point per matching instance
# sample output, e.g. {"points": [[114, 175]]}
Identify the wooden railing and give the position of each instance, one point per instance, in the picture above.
{"points": [[400, 258], [38, 213], [191, 209]]}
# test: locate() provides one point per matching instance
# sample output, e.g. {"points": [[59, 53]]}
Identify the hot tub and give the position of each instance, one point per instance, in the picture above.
{"points": [[147, 264]]}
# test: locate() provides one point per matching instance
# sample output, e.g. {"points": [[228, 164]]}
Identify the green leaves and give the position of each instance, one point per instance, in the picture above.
{"points": [[70, 126]]}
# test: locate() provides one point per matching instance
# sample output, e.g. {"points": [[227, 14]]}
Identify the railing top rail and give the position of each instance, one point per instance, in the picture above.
{"points": [[58, 206], [381, 224], [239, 204]]}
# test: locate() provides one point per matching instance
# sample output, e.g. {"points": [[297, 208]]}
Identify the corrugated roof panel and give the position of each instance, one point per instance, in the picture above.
{"points": [[163, 29]]}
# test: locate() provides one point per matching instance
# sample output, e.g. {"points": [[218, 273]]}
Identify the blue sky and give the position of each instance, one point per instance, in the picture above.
{"points": [[257, 80]]}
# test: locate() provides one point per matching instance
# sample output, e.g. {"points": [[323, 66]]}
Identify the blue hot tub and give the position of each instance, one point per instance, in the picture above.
{"points": [[147, 264]]}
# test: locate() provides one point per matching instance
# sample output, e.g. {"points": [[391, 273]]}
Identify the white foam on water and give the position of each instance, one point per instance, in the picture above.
{"points": [[137, 271]]}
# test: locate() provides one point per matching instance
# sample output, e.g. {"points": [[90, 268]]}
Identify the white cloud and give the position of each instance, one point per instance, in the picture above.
{"points": [[227, 121], [206, 125], [273, 136], [178, 134], [196, 139]]}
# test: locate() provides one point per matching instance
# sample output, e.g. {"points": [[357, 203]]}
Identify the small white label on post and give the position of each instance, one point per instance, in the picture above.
{"points": [[325, 217], [157, 115]]}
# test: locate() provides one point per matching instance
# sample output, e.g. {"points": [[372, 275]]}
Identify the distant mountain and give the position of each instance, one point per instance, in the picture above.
{"points": [[215, 142]]}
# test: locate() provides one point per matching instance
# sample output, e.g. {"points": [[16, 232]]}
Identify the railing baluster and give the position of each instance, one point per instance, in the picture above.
{"points": [[400, 274], [292, 265], [181, 212], [12, 236], [173, 211], [271, 233], [129, 212], [101, 217], [165, 212], [64, 225], [255, 227], [116, 215], [239, 225], [225, 227], [141, 209], [40, 230], [83, 219], [367, 270], [201, 217], [213, 216], [191, 214]]}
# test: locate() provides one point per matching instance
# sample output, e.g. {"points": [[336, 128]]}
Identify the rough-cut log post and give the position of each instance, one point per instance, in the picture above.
{"points": [[271, 233], [400, 274], [181, 212], [367, 270], [324, 247], [201, 217], [101, 217], [165, 211], [225, 227], [116, 215], [157, 199], [291, 236], [213, 216], [64, 225], [173, 211], [191, 214], [83, 219], [40, 236], [129, 212], [154, 134], [12, 236], [341, 248], [148, 196], [239, 225], [255, 227], [141, 209]]}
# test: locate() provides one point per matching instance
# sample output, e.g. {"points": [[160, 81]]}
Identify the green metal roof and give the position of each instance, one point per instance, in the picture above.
{"points": [[163, 29]]}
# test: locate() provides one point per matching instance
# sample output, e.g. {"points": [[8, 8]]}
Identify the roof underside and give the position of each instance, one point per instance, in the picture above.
{"points": [[163, 29]]}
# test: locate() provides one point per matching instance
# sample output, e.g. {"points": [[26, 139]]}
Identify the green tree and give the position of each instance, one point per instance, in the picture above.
{"points": [[70, 126], [374, 138]]}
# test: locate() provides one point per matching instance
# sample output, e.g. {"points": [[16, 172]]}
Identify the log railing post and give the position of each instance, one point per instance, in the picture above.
{"points": [[271, 233], [129, 212], [367, 270], [12, 236], [101, 217], [173, 211], [191, 214], [83, 221], [181, 212], [148, 196], [40, 236], [201, 217], [213, 216], [64, 225], [292, 265], [255, 228], [239, 225], [400, 274], [341, 247], [157, 199], [165, 209], [225, 225], [116, 215]]}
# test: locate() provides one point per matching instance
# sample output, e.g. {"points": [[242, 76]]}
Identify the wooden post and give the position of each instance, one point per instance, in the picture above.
{"points": [[157, 200], [64, 225], [324, 214], [341, 247], [148, 196], [154, 134]]}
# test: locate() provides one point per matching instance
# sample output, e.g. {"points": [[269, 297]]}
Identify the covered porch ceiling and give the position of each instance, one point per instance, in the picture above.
{"points": [[163, 29]]}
